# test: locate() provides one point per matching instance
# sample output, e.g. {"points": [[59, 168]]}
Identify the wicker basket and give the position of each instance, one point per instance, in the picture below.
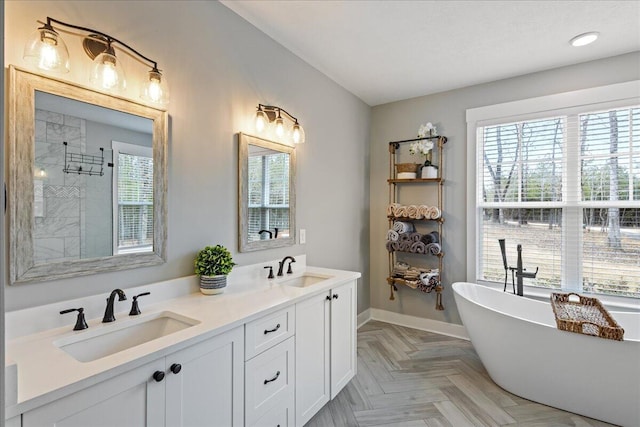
{"points": [[585, 316], [407, 167]]}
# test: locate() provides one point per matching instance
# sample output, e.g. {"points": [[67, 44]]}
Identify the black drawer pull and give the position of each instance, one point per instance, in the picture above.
{"points": [[328, 298], [268, 331], [335, 296], [272, 379]]}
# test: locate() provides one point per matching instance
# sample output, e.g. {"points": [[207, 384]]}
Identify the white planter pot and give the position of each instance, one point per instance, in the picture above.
{"points": [[429, 172], [211, 285]]}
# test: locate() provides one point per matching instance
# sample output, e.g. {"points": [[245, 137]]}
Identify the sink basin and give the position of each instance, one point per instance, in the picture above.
{"points": [[305, 280], [110, 339]]}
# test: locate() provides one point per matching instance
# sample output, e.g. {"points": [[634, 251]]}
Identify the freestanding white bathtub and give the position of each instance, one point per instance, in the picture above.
{"points": [[524, 353]]}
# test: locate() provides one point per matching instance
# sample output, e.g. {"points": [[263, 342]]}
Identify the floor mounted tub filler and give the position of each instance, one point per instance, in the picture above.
{"points": [[524, 353]]}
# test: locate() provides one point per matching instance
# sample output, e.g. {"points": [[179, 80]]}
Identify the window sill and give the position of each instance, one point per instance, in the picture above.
{"points": [[612, 303]]}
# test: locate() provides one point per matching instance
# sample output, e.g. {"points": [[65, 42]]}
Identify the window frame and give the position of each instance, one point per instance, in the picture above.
{"points": [[265, 208], [572, 103], [135, 150]]}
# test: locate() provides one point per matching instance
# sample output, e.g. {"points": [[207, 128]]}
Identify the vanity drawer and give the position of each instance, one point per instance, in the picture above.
{"points": [[269, 381], [279, 416], [268, 331]]}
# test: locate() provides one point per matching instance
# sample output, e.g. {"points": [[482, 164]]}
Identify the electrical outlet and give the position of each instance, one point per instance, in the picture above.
{"points": [[303, 236]]}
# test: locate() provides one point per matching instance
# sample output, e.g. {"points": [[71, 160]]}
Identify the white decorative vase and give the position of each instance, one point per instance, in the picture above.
{"points": [[429, 172], [211, 285]]}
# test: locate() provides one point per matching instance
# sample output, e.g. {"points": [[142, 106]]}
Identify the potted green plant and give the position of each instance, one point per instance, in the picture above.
{"points": [[213, 264]]}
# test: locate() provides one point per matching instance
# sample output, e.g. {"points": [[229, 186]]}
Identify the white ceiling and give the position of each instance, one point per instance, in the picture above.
{"points": [[384, 51]]}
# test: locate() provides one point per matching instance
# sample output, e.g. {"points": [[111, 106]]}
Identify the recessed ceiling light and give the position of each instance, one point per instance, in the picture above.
{"points": [[584, 39]]}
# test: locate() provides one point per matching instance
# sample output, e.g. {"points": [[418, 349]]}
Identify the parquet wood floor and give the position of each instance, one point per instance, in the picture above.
{"points": [[412, 378]]}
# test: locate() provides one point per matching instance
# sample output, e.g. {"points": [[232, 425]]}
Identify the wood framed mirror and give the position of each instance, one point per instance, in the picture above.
{"points": [[87, 180], [266, 195]]}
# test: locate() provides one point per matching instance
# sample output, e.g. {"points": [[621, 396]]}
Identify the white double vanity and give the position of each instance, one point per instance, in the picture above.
{"points": [[266, 352]]}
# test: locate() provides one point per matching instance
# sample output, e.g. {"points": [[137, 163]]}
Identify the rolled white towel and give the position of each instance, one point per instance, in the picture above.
{"points": [[391, 208], [392, 236], [400, 212], [424, 212], [412, 211], [434, 212]]}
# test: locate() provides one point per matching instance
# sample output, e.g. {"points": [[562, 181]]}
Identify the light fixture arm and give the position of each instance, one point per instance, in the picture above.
{"points": [[273, 110], [108, 38]]}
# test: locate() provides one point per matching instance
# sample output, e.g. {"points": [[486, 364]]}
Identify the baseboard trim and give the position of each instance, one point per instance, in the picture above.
{"points": [[364, 317], [429, 325]]}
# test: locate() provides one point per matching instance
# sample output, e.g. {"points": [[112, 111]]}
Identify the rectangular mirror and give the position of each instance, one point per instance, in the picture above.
{"points": [[266, 177], [87, 185]]}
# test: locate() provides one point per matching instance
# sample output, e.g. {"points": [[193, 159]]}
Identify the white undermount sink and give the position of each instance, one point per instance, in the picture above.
{"points": [[307, 279], [113, 338]]}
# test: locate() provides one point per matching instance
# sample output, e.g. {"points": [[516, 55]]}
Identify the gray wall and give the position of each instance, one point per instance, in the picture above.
{"points": [[400, 120], [219, 67]]}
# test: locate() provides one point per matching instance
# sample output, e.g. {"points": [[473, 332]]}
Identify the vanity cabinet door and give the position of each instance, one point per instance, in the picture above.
{"points": [[312, 356], [205, 383], [343, 336], [131, 399], [325, 348]]}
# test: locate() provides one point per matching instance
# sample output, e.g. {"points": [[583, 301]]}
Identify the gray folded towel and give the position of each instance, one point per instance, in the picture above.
{"points": [[418, 247], [434, 248], [436, 236], [405, 245], [415, 237], [404, 237], [404, 227], [389, 246]]}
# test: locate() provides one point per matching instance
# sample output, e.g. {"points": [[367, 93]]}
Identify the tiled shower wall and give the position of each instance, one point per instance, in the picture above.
{"points": [[59, 213]]}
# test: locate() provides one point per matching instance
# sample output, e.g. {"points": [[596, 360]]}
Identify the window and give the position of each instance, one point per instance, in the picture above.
{"points": [[268, 195], [565, 184], [133, 198]]}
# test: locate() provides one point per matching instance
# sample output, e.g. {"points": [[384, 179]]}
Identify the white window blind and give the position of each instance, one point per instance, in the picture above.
{"points": [[268, 184], [133, 197], [566, 188], [610, 183]]}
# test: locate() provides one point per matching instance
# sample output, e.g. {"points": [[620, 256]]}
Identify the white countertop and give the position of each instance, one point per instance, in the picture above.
{"points": [[47, 373]]}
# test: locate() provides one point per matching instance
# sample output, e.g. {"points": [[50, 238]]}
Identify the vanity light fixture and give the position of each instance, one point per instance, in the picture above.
{"points": [[584, 39], [47, 51], [268, 114]]}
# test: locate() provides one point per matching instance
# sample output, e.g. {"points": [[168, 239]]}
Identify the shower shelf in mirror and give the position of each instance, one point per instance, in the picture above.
{"points": [[77, 163], [421, 278]]}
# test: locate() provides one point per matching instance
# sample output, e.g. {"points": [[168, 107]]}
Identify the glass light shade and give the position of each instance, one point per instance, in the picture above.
{"points": [[107, 73], [155, 89], [298, 135], [279, 127], [261, 121], [47, 51]]}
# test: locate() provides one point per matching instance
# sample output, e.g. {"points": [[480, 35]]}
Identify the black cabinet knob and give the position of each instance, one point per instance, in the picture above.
{"points": [[176, 368], [158, 376], [328, 298], [335, 296]]}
